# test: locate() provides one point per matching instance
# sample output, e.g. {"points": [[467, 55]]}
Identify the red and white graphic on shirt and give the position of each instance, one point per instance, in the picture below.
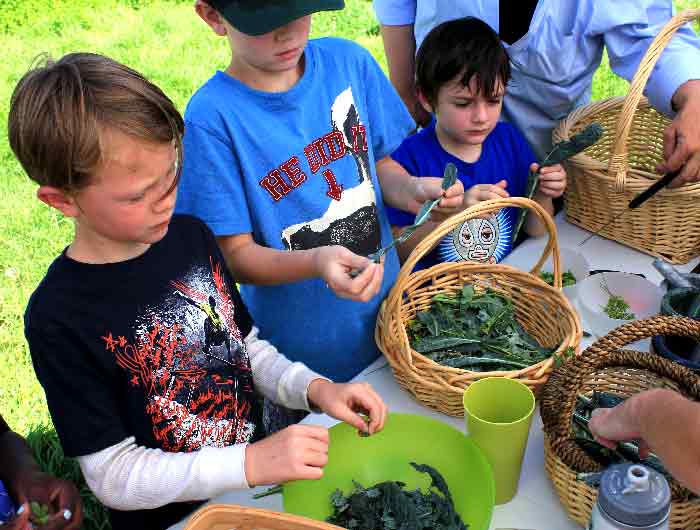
{"points": [[189, 359], [350, 219]]}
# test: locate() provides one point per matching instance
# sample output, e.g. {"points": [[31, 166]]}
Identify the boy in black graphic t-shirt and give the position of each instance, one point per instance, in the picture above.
{"points": [[149, 359]]}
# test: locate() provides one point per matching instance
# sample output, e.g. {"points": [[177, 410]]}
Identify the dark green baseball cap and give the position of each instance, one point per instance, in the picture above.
{"points": [[257, 17]]}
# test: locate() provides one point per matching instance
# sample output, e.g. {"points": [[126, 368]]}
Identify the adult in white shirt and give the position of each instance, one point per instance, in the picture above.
{"points": [[554, 57]]}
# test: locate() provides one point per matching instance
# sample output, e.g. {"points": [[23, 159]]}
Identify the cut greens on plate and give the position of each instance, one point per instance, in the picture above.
{"points": [[476, 332]]}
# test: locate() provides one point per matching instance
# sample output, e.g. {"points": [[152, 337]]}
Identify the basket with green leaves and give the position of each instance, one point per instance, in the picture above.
{"points": [[445, 327]]}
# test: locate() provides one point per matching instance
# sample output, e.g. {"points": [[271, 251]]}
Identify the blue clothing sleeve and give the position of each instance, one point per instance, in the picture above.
{"points": [[395, 12], [211, 186], [629, 29]]}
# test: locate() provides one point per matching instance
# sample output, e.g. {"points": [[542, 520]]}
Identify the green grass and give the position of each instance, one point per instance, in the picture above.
{"points": [[165, 40]]}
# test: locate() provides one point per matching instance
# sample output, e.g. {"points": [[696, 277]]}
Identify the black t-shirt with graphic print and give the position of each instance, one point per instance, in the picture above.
{"points": [[151, 347]]}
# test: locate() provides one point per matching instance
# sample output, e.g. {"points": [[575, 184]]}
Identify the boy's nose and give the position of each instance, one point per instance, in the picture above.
{"points": [[480, 114], [167, 201]]}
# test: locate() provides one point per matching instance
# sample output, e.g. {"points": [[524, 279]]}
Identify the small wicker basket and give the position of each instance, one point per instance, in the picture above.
{"points": [[604, 178], [541, 309], [604, 366], [233, 517]]}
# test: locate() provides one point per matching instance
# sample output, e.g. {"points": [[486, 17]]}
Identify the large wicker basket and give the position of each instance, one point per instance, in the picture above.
{"points": [[541, 309], [233, 517], [604, 366], [604, 178]]}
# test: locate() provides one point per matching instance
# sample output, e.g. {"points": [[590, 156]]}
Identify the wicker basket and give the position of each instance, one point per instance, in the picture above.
{"points": [[604, 366], [233, 517], [604, 178], [541, 309]]}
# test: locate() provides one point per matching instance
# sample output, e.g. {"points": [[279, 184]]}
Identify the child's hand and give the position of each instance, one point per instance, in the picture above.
{"points": [[552, 180], [345, 401], [333, 264], [298, 452], [61, 496], [485, 192], [430, 188]]}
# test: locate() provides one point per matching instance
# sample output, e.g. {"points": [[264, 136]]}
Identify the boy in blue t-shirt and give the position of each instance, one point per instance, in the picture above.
{"points": [[280, 155], [462, 70]]}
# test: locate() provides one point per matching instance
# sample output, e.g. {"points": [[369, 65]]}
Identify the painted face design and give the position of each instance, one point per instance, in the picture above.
{"points": [[477, 239]]}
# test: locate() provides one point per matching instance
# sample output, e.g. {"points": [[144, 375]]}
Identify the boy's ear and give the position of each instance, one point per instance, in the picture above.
{"points": [[424, 102], [211, 16], [59, 199]]}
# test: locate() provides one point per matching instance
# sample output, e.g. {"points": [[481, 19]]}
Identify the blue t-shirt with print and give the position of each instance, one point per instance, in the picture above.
{"points": [[505, 155], [296, 169]]}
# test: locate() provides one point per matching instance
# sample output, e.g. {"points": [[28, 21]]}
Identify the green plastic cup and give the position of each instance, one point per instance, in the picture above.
{"points": [[498, 413]]}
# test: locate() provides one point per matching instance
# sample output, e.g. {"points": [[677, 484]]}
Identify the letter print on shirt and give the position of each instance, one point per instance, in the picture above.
{"points": [[190, 361], [351, 216], [482, 240]]}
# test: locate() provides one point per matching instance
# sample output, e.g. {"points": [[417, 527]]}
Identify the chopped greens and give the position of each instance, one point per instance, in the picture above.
{"points": [[617, 307], [567, 279], [474, 331], [388, 506]]}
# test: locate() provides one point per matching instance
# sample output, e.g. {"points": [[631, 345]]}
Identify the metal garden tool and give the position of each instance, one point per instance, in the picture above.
{"points": [[448, 179], [640, 199]]}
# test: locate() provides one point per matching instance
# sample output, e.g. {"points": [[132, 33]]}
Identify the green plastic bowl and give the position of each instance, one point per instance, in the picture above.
{"points": [[387, 455]]}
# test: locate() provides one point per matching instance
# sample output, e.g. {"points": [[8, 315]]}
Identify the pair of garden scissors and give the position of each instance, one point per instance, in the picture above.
{"points": [[640, 199]]}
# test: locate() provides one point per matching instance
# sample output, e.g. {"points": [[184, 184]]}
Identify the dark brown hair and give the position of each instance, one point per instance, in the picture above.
{"points": [[466, 47], [58, 110]]}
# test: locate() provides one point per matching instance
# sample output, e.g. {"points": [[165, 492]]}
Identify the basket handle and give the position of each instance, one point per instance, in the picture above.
{"points": [[644, 329], [480, 210], [617, 166]]}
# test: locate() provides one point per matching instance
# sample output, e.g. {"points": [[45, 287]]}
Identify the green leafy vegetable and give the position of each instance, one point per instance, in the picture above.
{"points": [[617, 307], [388, 506], [274, 490], [560, 152], [568, 353], [40, 513], [474, 331], [567, 279]]}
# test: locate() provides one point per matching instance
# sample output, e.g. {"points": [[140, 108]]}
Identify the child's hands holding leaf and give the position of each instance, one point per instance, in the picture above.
{"points": [[485, 192], [552, 180], [344, 401], [333, 263], [430, 188]]}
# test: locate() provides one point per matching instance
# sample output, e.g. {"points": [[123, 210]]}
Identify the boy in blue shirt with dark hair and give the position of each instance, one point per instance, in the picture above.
{"points": [[281, 161], [462, 71]]}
